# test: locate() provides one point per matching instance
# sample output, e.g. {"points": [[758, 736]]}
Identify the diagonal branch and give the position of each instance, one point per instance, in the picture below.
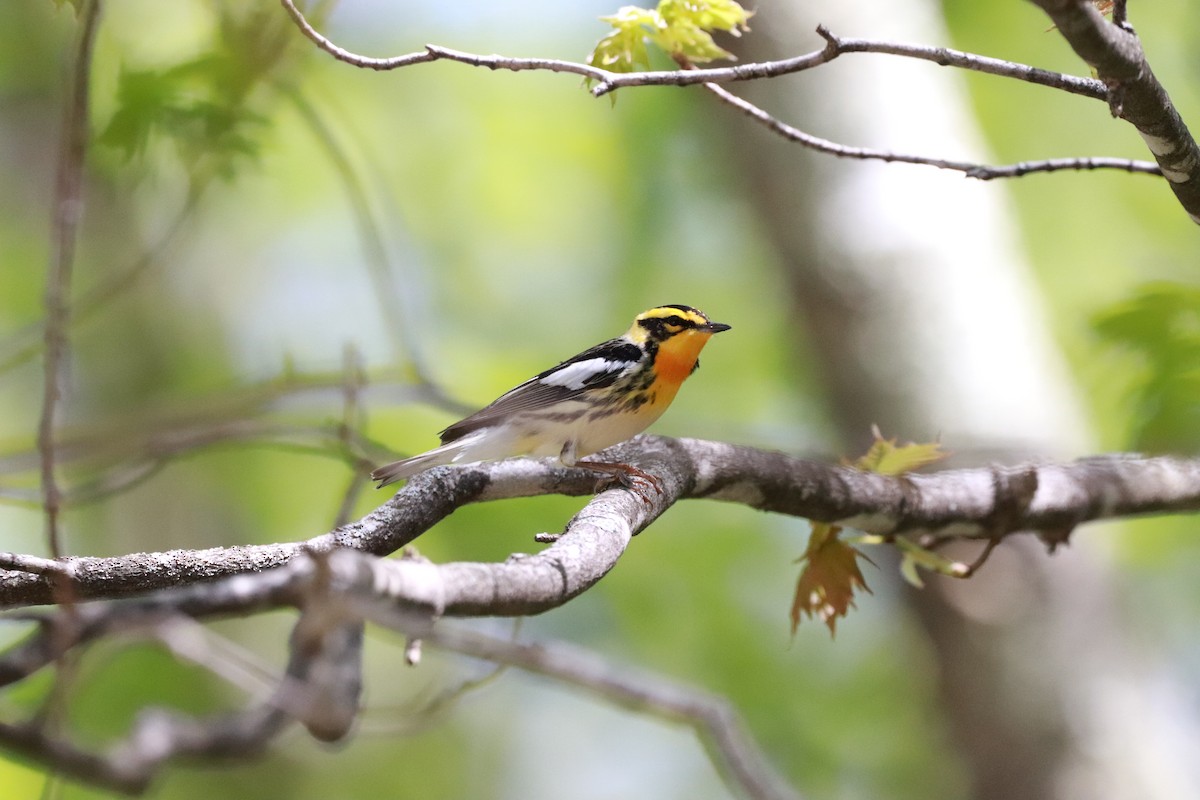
{"points": [[969, 169], [716, 721], [336, 593], [1134, 93]]}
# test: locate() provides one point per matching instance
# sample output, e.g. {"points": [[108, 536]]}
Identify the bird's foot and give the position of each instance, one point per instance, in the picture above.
{"points": [[625, 476]]}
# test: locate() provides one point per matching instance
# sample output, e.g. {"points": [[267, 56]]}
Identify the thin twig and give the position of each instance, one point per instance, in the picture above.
{"points": [[345, 55], [35, 565], [607, 81], [401, 333], [137, 436], [511, 64], [141, 458], [969, 570], [969, 169], [834, 46], [1135, 94], [68, 208], [717, 724], [24, 344], [350, 431]]}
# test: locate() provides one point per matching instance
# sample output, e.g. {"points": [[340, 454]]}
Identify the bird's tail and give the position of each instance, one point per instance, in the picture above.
{"points": [[449, 453]]}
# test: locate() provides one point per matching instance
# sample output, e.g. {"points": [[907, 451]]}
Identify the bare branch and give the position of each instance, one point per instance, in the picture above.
{"points": [[716, 722], [422, 503], [137, 458], [122, 452], [25, 343], [338, 580], [337, 592], [970, 169], [380, 268], [320, 41], [510, 64], [986, 173], [68, 209], [835, 46], [1134, 93], [160, 736], [968, 503], [607, 81]]}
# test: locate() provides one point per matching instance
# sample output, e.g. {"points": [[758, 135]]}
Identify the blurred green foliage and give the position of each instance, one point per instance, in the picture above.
{"points": [[1160, 326]]}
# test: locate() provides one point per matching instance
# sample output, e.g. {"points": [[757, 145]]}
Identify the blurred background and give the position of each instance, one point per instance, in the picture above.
{"points": [[264, 226]]}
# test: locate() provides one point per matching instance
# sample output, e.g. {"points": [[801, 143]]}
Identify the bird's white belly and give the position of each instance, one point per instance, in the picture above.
{"points": [[548, 438]]}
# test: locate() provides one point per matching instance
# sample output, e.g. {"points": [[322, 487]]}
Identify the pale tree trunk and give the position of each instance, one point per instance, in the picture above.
{"points": [[922, 317]]}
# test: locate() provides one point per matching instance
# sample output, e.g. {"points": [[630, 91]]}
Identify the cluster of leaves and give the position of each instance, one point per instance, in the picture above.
{"points": [[831, 575], [204, 106], [680, 28], [1161, 324]]}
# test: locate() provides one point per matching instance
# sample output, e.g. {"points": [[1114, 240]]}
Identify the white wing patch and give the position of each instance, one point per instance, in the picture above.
{"points": [[575, 376]]}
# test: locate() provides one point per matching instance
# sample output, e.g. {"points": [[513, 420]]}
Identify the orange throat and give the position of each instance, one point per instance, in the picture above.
{"points": [[677, 356]]}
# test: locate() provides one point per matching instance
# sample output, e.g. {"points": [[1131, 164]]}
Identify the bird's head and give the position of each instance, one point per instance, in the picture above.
{"points": [[668, 322], [674, 336]]}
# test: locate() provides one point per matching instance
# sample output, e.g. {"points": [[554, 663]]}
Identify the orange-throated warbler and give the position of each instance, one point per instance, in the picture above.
{"points": [[603, 396]]}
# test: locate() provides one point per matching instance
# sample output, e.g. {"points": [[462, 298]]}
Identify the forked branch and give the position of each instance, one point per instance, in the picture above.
{"points": [[1128, 86], [949, 504]]}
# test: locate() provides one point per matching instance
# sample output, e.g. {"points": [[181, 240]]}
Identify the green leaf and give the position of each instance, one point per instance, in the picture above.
{"points": [[887, 458], [680, 28], [625, 47], [717, 15]]}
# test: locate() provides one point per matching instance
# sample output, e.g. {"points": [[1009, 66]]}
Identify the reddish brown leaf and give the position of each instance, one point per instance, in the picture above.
{"points": [[829, 579]]}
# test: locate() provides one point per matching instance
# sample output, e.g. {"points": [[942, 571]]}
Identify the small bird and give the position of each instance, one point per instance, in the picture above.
{"points": [[603, 396]]}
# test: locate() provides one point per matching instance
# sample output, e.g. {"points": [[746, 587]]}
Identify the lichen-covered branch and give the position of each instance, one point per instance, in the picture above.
{"points": [[983, 503], [336, 592], [339, 580]]}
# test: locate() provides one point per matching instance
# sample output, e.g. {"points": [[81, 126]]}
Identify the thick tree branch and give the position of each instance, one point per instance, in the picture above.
{"points": [[1134, 93], [980, 503], [337, 581], [337, 592]]}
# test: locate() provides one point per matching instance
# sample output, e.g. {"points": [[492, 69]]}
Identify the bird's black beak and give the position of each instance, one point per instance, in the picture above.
{"points": [[715, 327]]}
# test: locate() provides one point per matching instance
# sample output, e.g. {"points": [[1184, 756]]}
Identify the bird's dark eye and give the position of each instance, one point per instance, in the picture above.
{"points": [[675, 322]]}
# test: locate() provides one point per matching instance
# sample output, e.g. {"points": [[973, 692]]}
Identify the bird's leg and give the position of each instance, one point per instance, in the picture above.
{"points": [[617, 474], [626, 476]]}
